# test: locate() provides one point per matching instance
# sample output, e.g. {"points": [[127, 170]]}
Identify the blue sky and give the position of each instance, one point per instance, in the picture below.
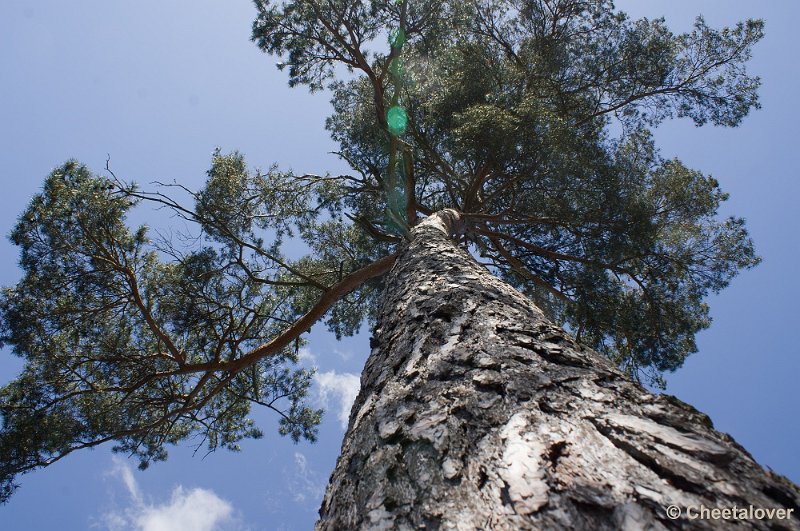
{"points": [[159, 85]]}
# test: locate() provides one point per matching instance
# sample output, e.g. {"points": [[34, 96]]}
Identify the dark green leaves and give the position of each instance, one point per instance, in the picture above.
{"points": [[635, 247], [311, 35], [532, 117], [121, 345]]}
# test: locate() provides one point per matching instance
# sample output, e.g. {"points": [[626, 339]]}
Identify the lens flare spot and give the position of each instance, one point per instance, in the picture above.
{"points": [[397, 38], [397, 120], [396, 68]]}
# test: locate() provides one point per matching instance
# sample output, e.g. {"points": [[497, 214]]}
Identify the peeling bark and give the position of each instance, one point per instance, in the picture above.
{"points": [[476, 412]]}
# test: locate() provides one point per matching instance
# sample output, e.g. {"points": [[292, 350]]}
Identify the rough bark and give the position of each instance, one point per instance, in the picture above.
{"points": [[476, 412]]}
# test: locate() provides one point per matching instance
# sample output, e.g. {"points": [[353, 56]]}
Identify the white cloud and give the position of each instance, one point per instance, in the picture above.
{"points": [[192, 510], [342, 387], [125, 473], [304, 483], [305, 356], [187, 510], [344, 354], [336, 391]]}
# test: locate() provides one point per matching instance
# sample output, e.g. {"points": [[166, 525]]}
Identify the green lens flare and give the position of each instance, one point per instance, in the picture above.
{"points": [[397, 120], [397, 38], [396, 68]]}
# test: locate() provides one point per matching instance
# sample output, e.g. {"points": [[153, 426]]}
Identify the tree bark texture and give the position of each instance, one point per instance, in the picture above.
{"points": [[476, 412]]}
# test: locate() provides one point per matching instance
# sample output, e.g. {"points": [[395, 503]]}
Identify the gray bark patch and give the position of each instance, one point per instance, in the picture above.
{"points": [[475, 412]]}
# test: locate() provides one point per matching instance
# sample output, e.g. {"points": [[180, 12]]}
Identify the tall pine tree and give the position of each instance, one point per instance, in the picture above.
{"points": [[520, 130]]}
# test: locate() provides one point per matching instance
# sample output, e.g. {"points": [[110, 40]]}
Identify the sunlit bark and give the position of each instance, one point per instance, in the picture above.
{"points": [[476, 412]]}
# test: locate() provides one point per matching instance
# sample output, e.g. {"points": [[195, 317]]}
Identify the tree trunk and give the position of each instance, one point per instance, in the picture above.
{"points": [[476, 412]]}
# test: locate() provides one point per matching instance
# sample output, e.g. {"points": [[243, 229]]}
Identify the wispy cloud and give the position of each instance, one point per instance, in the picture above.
{"points": [[344, 354], [187, 509], [304, 483], [338, 387], [307, 357], [335, 390], [124, 472]]}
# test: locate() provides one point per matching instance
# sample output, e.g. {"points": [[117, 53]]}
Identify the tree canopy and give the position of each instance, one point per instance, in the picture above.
{"points": [[531, 118]]}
